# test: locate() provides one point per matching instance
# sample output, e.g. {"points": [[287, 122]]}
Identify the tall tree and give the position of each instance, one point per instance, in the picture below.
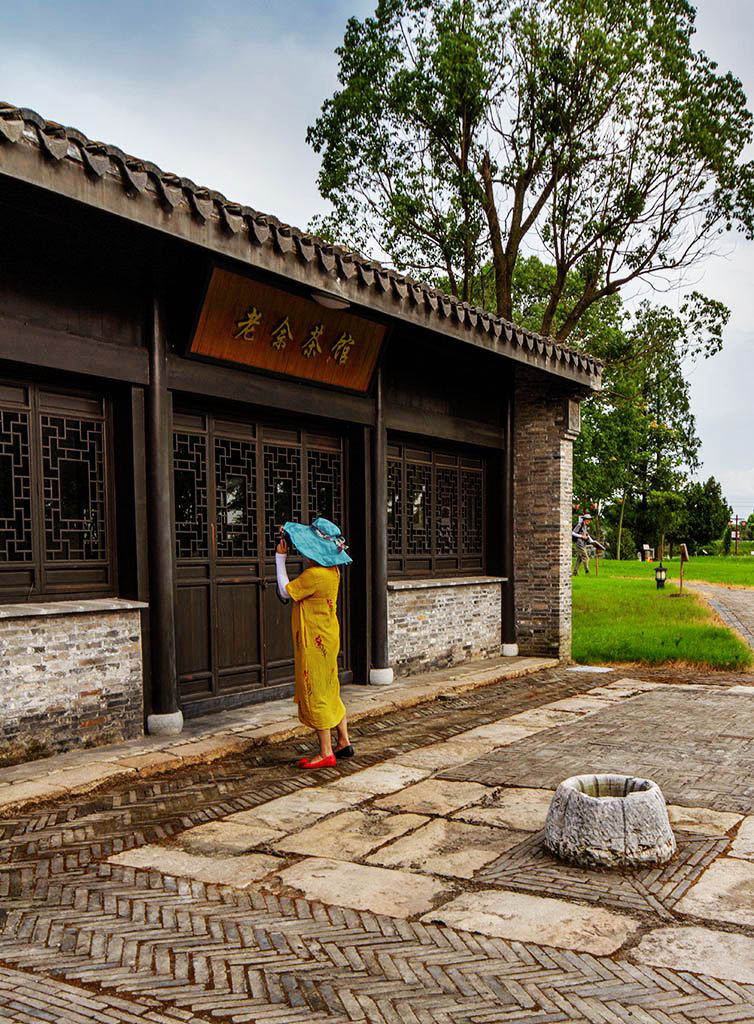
{"points": [[665, 510], [707, 513], [638, 433], [471, 131]]}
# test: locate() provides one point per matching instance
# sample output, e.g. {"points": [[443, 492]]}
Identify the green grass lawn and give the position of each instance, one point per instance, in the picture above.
{"points": [[738, 571], [619, 618]]}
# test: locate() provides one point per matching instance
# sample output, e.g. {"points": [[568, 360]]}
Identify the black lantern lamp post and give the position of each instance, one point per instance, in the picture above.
{"points": [[660, 575]]}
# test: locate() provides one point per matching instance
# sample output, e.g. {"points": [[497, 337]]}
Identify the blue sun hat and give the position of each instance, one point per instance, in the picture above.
{"points": [[322, 542]]}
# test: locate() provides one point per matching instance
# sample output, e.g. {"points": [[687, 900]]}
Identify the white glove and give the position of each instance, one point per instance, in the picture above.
{"points": [[282, 574]]}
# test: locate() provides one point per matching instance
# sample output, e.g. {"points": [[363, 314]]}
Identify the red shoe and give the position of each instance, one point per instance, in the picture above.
{"points": [[321, 762]]}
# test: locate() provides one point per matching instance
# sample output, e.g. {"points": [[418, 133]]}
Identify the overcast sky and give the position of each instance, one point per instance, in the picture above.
{"points": [[223, 94]]}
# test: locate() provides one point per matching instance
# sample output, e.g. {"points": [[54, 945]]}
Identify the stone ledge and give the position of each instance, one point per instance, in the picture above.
{"points": [[449, 581], [50, 608]]}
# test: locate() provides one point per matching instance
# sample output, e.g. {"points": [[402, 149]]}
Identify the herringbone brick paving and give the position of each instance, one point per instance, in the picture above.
{"points": [[529, 867], [656, 736], [92, 941]]}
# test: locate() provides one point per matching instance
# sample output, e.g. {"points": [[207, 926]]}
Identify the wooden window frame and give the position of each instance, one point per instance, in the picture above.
{"points": [[427, 461], [42, 578]]}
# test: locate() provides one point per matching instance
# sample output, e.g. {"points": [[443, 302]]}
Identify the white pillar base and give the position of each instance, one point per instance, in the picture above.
{"points": [[380, 676], [510, 650], [165, 725]]}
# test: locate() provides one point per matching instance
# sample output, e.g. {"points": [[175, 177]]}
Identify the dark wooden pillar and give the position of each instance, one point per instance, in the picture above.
{"points": [[359, 534], [508, 630], [166, 717], [380, 671]]}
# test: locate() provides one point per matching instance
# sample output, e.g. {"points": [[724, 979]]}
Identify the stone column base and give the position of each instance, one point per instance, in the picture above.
{"points": [[510, 650], [165, 725], [380, 676]]}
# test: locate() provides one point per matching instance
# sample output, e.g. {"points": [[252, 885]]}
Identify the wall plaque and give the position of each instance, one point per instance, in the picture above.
{"points": [[257, 325]]}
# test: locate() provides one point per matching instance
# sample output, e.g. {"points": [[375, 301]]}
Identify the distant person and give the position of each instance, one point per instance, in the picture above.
{"points": [[582, 539]]}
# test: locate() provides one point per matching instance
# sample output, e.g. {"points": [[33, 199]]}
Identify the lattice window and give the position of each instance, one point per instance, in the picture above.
{"points": [[419, 508], [446, 486], [15, 487], [325, 486], [472, 520], [73, 480], [394, 507], [435, 511], [236, 498], [190, 485], [282, 490]]}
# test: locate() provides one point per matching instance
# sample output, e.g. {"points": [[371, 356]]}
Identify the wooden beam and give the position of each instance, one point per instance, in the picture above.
{"points": [[36, 345], [406, 420], [199, 378]]}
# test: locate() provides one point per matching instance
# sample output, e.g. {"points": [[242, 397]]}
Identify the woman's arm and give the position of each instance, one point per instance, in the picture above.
{"points": [[282, 573]]}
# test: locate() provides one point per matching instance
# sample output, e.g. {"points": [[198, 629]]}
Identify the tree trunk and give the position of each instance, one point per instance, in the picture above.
{"points": [[499, 261]]}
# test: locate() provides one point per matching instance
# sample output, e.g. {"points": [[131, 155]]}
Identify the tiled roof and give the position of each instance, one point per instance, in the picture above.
{"points": [[145, 181]]}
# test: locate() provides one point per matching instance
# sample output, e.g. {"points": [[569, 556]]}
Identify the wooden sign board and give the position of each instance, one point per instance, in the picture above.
{"points": [[256, 325], [684, 554]]}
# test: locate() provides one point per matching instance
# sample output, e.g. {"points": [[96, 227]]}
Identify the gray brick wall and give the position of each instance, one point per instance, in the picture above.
{"points": [[68, 681], [543, 489], [432, 627]]}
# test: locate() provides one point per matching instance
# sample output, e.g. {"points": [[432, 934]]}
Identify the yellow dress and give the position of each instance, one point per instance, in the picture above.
{"points": [[316, 645]]}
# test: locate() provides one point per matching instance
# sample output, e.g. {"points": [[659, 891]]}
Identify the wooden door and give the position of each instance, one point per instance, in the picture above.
{"points": [[235, 482]]}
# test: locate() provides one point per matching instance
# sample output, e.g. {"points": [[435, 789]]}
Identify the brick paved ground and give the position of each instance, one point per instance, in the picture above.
{"points": [[113, 907], [657, 735], [734, 605]]}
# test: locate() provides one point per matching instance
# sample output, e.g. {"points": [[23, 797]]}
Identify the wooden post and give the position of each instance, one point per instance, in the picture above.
{"points": [[166, 719], [380, 672], [508, 610], [684, 559]]}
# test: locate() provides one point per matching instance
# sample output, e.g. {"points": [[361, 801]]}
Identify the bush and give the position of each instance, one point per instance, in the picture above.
{"points": [[727, 538]]}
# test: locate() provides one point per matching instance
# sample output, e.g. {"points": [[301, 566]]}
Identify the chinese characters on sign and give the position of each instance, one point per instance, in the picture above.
{"points": [[256, 325], [311, 347], [341, 350], [282, 334], [247, 325]]}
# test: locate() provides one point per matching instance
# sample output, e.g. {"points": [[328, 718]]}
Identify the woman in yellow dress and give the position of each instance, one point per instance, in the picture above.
{"points": [[316, 632]]}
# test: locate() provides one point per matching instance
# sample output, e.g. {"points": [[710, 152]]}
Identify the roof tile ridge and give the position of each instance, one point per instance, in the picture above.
{"points": [[335, 259]]}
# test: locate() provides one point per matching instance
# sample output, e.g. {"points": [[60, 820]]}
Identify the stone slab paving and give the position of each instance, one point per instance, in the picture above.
{"points": [[701, 950], [221, 868], [434, 796], [379, 779], [524, 810], [385, 890], [226, 837], [725, 892], [350, 835], [743, 844], [361, 887], [523, 918], [701, 819], [451, 848]]}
